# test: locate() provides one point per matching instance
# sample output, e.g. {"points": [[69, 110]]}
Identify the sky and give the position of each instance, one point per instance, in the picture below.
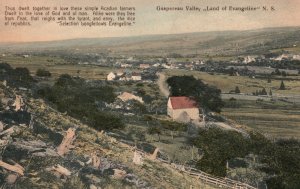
{"points": [[150, 21]]}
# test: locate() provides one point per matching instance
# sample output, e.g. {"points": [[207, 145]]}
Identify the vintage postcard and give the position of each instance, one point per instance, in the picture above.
{"points": [[187, 94]]}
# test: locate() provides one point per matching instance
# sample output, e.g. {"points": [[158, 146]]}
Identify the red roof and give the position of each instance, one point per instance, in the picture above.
{"points": [[182, 102]]}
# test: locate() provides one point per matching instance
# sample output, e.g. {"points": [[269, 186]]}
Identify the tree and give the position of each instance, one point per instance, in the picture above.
{"points": [[232, 103], [269, 79], [263, 92], [237, 90], [283, 73], [208, 97], [137, 107], [155, 130], [219, 146], [232, 71], [277, 72], [79, 100], [282, 86], [270, 93], [42, 73]]}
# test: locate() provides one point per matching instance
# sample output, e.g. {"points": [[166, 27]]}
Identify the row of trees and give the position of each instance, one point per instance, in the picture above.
{"points": [[262, 91], [282, 158], [208, 97]]}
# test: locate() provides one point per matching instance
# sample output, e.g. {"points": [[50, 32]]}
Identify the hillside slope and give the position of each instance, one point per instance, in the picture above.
{"points": [[32, 144], [203, 43]]}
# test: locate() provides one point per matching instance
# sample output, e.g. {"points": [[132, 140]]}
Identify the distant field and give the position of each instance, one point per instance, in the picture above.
{"points": [[215, 45], [246, 85], [57, 66], [289, 49], [277, 119]]}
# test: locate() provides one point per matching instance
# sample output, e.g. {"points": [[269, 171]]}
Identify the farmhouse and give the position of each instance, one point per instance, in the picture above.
{"points": [[136, 77], [183, 109], [123, 65], [111, 76]]}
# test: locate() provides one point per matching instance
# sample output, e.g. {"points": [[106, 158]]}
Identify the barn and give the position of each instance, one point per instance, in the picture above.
{"points": [[183, 109]]}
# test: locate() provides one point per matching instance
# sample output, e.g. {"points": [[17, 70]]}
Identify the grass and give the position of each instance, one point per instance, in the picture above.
{"points": [[289, 49], [168, 145], [279, 119], [246, 85], [57, 66]]}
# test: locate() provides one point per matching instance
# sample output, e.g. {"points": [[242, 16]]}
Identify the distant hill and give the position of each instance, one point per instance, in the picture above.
{"points": [[219, 43]]}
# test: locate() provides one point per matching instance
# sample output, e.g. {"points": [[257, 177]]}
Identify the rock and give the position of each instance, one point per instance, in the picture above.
{"points": [[137, 158], [94, 179], [119, 174], [18, 103], [11, 178], [154, 155], [15, 168], [67, 141], [1, 126], [3, 142], [81, 163], [36, 147], [95, 160], [8, 131], [60, 169]]}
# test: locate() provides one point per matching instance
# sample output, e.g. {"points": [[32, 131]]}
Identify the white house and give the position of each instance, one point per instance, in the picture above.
{"points": [[156, 64], [248, 59], [136, 77], [281, 57], [120, 73], [183, 109], [125, 96], [123, 65], [296, 57], [144, 66], [111, 76]]}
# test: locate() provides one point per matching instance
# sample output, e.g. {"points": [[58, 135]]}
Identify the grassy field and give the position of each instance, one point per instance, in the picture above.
{"points": [[246, 85], [295, 49], [276, 119], [57, 66], [168, 145]]}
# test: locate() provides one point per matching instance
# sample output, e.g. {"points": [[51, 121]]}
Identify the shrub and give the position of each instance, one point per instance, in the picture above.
{"points": [[73, 96], [282, 86], [43, 73]]}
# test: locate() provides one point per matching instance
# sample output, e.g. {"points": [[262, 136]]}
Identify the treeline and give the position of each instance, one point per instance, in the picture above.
{"points": [[282, 158], [18, 77], [208, 97], [283, 64], [79, 100]]}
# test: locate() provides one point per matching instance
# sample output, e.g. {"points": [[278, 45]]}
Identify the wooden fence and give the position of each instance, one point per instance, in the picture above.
{"points": [[205, 177]]}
